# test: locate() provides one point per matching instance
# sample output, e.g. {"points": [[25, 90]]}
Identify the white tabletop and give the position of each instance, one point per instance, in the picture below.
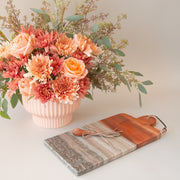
{"points": [[23, 155]]}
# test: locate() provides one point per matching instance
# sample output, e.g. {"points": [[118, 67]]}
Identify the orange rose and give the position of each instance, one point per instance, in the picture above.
{"points": [[23, 44], [26, 86], [74, 68]]}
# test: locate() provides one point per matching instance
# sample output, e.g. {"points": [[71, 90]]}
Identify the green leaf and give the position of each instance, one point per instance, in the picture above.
{"points": [[140, 100], [30, 98], [1, 78], [147, 82], [99, 42], [136, 73], [103, 66], [118, 52], [20, 98], [4, 94], [44, 14], [5, 105], [74, 18], [124, 81], [106, 41], [14, 100], [97, 39], [4, 115], [3, 36], [118, 67], [142, 88], [39, 11], [89, 96], [122, 78], [128, 86], [95, 28], [46, 18]]}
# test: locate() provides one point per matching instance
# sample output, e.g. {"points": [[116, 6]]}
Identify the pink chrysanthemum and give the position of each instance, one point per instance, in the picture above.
{"points": [[12, 68], [44, 92], [14, 84], [45, 39], [81, 56], [57, 64], [84, 85], [30, 30], [65, 89]]}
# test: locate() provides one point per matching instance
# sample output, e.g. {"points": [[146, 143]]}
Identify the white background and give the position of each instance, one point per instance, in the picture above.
{"points": [[153, 31]]}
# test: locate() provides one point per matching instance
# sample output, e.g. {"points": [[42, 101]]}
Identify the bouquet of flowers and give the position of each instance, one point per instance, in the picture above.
{"points": [[53, 58]]}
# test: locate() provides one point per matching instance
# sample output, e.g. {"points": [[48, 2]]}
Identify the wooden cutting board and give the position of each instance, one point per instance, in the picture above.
{"points": [[82, 155]]}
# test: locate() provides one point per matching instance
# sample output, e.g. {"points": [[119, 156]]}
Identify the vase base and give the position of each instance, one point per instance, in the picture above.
{"points": [[56, 122]]}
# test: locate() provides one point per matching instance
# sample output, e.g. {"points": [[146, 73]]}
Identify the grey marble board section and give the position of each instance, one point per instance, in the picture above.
{"points": [[82, 155]]}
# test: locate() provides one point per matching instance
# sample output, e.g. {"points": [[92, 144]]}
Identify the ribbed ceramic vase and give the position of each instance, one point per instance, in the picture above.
{"points": [[51, 114]]}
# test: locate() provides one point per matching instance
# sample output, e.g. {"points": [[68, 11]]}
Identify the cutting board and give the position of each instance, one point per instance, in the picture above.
{"points": [[82, 155]]}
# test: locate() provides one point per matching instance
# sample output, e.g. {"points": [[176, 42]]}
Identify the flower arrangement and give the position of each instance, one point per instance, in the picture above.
{"points": [[53, 58]]}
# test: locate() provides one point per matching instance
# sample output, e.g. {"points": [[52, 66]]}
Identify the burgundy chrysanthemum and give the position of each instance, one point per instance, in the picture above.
{"points": [[44, 92], [81, 56], [84, 85]]}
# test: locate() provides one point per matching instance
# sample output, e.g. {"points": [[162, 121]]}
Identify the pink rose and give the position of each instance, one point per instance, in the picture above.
{"points": [[23, 44], [4, 50], [74, 68], [26, 87]]}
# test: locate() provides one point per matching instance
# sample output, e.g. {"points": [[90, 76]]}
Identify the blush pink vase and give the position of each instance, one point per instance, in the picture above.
{"points": [[51, 114]]}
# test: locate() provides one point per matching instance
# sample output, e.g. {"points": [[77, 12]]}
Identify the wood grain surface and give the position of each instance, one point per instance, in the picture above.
{"points": [[138, 130]]}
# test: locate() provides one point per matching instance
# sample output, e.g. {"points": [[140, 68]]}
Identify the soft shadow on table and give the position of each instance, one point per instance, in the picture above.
{"points": [[103, 105]]}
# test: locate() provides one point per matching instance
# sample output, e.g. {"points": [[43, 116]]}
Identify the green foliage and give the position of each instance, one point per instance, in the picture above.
{"points": [[106, 42], [3, 37], [74, 18], [39, 11], [103, 67], [5, 105], [147, 83], [95, 28], [4, 108], [45, 15], [89, 96], [118, 52], [142, 88], [118, 67], [136, 73], [14, 100], [140, 100], [4, 115]]}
